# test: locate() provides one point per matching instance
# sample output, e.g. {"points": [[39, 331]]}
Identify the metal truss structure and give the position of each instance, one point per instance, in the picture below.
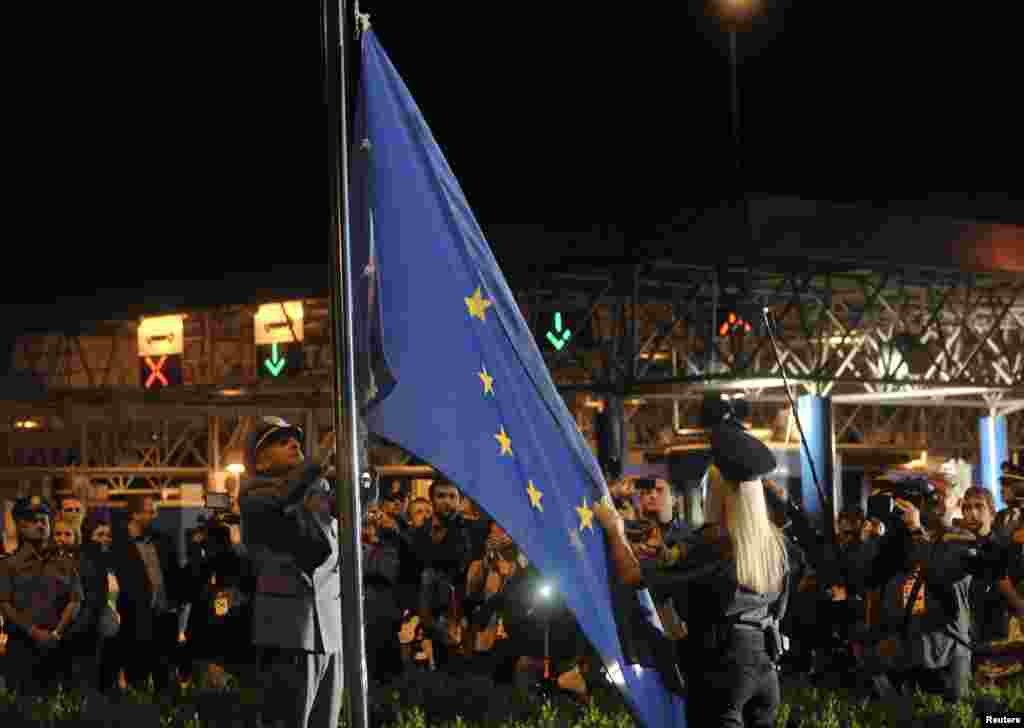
{"points": [[910, 357], [887, 346], [138, 448]]}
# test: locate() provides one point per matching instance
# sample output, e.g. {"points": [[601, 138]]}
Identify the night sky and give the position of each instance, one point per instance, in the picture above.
{"points": [[193, 146]]}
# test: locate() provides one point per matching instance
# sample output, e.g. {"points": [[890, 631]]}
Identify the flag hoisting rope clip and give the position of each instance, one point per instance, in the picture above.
{"points": [[362, 20]]}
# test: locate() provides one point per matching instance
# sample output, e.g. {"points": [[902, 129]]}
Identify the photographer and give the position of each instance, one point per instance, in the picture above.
{"points": [[536, 637], [841, 590], [217, 626], [381, 538], [647, 537], [485, 580], [920, 635], [291, 536]]}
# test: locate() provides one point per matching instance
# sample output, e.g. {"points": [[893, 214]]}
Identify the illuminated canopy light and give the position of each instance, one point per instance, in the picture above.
{"points": [[27, 425], [161, 336], [235, 468], [922, 393], [279, 323], [761, 383]]}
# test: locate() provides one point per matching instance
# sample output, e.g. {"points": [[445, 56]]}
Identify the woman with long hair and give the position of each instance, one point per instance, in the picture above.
{"points": [[101, 588], [730, 586]]}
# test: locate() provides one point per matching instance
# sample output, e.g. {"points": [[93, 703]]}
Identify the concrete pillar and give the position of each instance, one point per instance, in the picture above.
{"points": [[994, 452]]}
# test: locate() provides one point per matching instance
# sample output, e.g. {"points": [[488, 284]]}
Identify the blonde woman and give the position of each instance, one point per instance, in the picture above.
{"points": [[731, 586]]}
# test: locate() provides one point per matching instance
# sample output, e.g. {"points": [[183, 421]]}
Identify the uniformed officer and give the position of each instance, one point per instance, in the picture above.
{"points": [[291, 536], [40, 596], [731, 587]]}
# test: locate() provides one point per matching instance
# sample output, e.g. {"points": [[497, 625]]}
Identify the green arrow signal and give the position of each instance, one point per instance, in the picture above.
{"points": [[274, 364], [559, 338]]}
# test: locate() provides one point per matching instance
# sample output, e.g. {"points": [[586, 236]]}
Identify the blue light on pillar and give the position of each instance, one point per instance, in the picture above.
{"points": [[816, 419], [994, 452]]}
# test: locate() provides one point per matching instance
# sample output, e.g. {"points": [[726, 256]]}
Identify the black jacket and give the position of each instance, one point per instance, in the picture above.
{"points": [[708, 597], [133, 603], [93, 566]]}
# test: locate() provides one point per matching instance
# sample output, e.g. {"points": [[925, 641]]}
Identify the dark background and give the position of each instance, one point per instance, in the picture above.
{"points": [[158, 147]]}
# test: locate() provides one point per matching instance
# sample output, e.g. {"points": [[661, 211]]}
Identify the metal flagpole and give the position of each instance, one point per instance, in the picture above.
{"points": [[338, 39]]}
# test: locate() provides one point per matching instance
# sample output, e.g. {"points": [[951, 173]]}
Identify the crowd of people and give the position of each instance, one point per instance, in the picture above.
{"points": [[92, 601]]}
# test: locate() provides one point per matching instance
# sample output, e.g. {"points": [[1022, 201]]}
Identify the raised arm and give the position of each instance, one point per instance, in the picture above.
{"points": [[624, 561]]}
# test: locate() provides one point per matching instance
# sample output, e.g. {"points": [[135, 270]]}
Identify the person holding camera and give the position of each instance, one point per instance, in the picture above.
{"points": [[291, 537], [380, 545], [216, 631], [731, 587], [841, 588], [485, 580], [919, 627]]}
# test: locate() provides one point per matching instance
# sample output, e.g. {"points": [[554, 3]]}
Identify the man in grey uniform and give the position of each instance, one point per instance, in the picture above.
{"points": [[40, 597], [291, 536]]}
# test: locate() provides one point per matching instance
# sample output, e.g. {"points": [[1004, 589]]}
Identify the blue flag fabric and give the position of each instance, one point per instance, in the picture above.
{"points": [[467, 388]]}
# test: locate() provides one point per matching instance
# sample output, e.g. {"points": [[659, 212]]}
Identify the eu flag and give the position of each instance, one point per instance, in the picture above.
{"points": [[463, 385]]}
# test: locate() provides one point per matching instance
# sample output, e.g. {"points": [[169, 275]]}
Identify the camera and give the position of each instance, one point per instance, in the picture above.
{"points": [[882, 502], [222, 505]]}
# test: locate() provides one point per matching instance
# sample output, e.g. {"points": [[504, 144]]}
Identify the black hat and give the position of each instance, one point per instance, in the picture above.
{"points": [[269, 429], [740, 456], [28, 507]]}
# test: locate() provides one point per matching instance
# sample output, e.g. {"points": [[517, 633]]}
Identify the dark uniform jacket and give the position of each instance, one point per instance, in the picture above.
{"points": [[708, 597], [35, 588], [295, 562], [135, 601]]}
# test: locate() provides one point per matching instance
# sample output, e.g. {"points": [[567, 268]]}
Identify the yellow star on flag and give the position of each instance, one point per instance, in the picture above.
{"points": [[535, 496], [487, 379], [586, 516], [477, 304], [506, 442]]}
